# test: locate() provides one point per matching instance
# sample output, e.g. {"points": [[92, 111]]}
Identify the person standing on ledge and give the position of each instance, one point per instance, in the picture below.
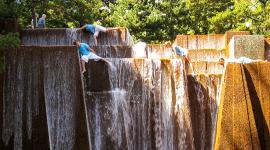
{"points": [[41, 21], [86, 53], [95, 29]]}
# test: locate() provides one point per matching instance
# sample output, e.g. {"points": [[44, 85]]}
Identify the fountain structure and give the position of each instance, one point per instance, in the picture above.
{"points": [[133, 103]]}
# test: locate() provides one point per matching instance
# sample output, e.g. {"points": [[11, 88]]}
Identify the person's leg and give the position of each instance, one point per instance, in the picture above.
{"points": [[83, 66], [84, 60]]}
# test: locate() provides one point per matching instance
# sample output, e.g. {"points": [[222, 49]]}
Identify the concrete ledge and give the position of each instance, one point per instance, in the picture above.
{"points": [[65, 36]]}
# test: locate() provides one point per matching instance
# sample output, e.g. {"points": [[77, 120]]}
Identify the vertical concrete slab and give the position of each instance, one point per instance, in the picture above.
{"points": [[236, 127], [251, 46]]}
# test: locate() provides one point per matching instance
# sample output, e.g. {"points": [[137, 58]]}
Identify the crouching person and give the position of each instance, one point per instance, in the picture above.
{"points": [[86, 53]]}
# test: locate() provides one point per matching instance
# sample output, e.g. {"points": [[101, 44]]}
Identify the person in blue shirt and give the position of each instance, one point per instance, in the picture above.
{"points": [[95, 29], [86, 53], [41, 21], [178, 50]]}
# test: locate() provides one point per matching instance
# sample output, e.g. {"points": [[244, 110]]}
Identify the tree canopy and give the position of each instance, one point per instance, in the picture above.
{"points": [[151, 20]]}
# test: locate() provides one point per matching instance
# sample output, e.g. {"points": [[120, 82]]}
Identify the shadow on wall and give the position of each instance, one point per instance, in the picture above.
{"points": [[203, 108], [257, 104]]}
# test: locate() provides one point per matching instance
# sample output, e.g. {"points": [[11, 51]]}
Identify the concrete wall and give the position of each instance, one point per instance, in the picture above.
{"points": [[243, 118], [65, 36], [251, 46], [43, 103], [216, 41]]}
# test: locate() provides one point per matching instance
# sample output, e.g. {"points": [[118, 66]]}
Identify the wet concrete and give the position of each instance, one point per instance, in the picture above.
{"points": [[115, 51], [43, 103], [203, 91], [66, 36]]}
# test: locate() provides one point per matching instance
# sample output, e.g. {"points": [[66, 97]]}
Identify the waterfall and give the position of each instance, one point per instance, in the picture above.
{"points": [[146, 107]]}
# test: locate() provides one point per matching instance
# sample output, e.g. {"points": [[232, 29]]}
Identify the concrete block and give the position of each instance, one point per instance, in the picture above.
{"points": [[251, 46], [267, 49]]}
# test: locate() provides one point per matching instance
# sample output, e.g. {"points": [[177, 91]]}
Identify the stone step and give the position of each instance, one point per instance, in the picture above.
{"points": [[66, 36]]}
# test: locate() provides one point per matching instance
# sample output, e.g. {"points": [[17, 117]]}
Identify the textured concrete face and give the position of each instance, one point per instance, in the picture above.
{"points": [[216, 41], [205, 67], [206, 54], [157, 51], [251, 46], [243, 118]]}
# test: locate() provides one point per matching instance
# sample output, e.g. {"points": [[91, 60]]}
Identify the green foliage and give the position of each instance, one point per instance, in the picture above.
{"points": [[153, 20], [10, 40]]}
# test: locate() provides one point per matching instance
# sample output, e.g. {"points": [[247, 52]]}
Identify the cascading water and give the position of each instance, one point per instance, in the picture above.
{"points": [[146, 108], [131, 104]]}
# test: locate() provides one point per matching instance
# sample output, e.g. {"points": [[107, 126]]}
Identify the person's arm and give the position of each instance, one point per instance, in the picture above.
{"points": [[95, 39], [91, 50], [81, 28]]}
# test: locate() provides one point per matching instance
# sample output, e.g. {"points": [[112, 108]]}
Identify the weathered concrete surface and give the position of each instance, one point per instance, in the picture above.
{"points": [[206, 54], [250, 46], [43, 105], [115, 51], [65, 36], [157, 51], [258, 81], [267, 49], [243, 118], [230, 34], [216, 41], [206, 67], [203, 92]]}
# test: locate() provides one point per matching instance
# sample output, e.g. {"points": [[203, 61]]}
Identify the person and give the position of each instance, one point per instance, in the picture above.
{"points": [[182, 52], [178, 50], [41, 21], [94, 29], [86, 53], [241, 60], [139, 49], [32, 22]]}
